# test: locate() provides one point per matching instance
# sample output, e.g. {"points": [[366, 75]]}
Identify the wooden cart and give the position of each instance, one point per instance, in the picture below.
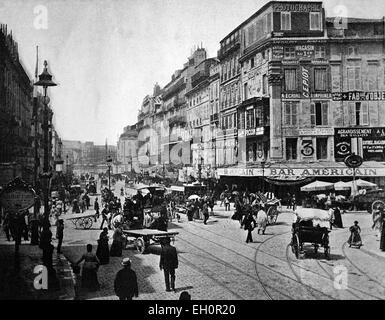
{"points": [[143, 238], [82, 220]]}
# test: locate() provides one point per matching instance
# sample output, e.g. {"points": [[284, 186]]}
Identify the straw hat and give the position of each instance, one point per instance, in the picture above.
{"points": [[126, 262]]}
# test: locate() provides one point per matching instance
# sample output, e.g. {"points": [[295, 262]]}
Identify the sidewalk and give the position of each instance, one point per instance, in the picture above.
{"points": [[16, 276]]}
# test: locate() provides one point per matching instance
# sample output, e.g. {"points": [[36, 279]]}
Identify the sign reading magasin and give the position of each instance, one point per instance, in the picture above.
{"points": [[17, 196]]}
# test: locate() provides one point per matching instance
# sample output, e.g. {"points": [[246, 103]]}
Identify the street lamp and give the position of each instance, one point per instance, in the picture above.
{"points": [[109, 161], [45, 81], [263, 163]]}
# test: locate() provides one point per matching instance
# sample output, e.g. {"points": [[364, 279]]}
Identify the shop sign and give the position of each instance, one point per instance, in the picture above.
{"points": [[304, 51], [302, 172], [277, 52], [305, 82], [374, 149], [353, 161], [250, 132], [241, 132], [17, 196], [359, 96], [370, 133], [296, 7], [307, 149], [316, 132]]}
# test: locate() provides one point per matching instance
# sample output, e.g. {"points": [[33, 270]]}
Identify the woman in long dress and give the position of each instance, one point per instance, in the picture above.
{"points": [[89, 270], [377, 222], [103, 252], [117, 243], [262, 219], [337, 218], [355, 238]]}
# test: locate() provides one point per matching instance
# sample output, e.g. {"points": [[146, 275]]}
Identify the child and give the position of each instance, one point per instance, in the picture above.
{"points": [[355, 238]]}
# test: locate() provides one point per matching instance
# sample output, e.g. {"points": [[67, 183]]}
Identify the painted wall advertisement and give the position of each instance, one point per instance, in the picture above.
{"points": [[372, 141]]}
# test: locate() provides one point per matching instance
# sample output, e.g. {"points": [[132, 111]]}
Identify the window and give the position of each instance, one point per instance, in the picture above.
{"points": [[291, 113], [252, 63], [264, 84], [269, 22], [291, 148], [245, 91], [315, 21], [319, 114], [289, 52], [258, 117], [242, 120], [250, 119], [319, 52], [291, 80], [322, 148], [372, 77], [320, 79], [354, 78], [352, 51], [285, 21], [359, 113]]}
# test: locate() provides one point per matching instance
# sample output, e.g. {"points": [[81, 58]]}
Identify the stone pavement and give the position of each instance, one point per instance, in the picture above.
{"points": [[17, 276]]}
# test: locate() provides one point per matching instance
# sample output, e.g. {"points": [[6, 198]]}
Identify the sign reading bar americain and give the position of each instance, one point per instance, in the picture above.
{"points": [[301, 172]]}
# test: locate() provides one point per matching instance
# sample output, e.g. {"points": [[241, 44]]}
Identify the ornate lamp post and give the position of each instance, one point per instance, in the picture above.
{"points": [[109, 162], [45, 81]]}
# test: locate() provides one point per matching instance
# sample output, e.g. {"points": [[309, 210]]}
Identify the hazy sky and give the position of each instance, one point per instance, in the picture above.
{"points": [[106, 55]]}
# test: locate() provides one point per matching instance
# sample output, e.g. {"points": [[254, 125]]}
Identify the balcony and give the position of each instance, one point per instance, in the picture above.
{"points": [[199, 77], [177, 119], [174, 89], [227, 49]]}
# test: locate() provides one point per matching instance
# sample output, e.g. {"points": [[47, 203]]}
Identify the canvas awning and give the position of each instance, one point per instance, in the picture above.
{"points": [[317, 186]]}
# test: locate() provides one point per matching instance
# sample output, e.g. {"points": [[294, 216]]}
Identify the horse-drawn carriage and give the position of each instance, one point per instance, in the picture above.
{"points": [[310, 228], [272, 207]]}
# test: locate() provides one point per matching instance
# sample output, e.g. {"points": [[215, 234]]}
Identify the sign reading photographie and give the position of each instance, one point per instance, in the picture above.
{"points": [[17, 196], [297, 7]]}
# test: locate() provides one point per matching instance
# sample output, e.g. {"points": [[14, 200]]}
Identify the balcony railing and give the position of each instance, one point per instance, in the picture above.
{"points": [[214, 118], [226, 49]]}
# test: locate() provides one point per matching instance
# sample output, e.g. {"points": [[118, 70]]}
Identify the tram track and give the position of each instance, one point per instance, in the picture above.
{"points": [[328, 276], [272, 271]]}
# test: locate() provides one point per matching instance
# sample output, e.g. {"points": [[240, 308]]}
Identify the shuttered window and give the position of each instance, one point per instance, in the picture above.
{"points": [[320, 79], [291, 80], [354, 78]]}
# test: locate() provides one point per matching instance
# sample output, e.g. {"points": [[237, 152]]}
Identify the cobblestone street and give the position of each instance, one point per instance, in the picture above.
{"points": [[215, 262]]}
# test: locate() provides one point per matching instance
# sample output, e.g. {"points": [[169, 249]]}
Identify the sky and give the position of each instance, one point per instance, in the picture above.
{"points": [[106, 55]]}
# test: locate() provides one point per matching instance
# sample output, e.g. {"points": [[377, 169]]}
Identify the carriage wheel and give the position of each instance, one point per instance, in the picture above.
{"points": [[140, 245], [80, 223], [272, 214], [87, 223], [295, 246]]}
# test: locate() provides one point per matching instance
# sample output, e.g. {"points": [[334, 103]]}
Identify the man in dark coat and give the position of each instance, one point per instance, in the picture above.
{"points": [[126, 284], [168, 263]]}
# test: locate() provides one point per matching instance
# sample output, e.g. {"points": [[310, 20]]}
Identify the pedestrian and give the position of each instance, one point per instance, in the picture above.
{"points": [[103, 251], [96, 208], [262, 219], [222, 198], [126, 283], [294, 203], [211, 203], [337, 218], [59, 234], [289, 200], [90, 269], [105, 213], [46, 246], [249, 225], [117, 243], [168, 263], [355, 238], [331, 217], [227, 203], [377, 223], [382, 238], [75, 206], [205, 211]]}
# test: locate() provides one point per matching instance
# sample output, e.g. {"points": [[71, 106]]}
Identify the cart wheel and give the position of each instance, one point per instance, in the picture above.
{"points": [[87, 223], [327, 253], [80, 224], [296, 245], [140, 245]]}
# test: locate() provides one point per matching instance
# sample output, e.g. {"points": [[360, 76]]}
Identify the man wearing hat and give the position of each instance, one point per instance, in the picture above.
{"points": [[168, 263], [126, 284]]}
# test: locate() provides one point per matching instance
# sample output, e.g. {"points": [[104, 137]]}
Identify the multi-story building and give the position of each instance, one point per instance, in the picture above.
{"points": [[127, 150], [297, 69], [230, 98], [15, 110], [198, 115]]}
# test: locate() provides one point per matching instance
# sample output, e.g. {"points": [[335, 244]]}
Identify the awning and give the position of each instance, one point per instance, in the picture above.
{"points": [[317, 186]]}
